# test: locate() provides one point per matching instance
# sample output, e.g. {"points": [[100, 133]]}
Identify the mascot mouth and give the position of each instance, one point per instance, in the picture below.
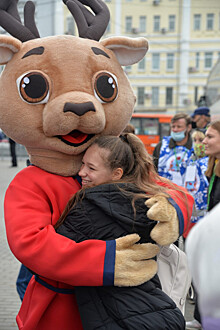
{"points": [[75, 138]]}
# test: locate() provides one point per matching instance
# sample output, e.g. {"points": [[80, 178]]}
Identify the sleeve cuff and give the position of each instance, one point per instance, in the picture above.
{"points": [[179, 215], [109, 264]]}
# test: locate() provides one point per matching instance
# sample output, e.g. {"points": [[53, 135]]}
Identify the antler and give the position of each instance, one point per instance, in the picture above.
{"points": [[11, 22], [90, 26]]}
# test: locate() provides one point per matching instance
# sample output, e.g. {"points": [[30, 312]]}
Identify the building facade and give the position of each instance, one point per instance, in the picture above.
{"points": [[184, 45]]}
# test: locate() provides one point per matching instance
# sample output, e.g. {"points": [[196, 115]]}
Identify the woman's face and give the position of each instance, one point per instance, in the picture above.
{"points": [[212, 142], [94, 170], [197, 139]]}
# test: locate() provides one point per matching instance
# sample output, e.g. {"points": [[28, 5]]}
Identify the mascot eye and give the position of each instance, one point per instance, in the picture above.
{"points": [[106, 87], [33, 87]]}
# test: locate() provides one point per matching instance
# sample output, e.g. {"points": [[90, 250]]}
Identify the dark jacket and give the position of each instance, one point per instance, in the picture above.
{"points": [[215, 193], [106, 213]]}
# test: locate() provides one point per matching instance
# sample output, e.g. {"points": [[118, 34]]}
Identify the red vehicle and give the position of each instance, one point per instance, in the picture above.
{"points": [[150, 128]]}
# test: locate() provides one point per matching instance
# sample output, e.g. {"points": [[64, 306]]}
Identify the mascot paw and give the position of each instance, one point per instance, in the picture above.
{"points": [[131, 265], [166, 230]]}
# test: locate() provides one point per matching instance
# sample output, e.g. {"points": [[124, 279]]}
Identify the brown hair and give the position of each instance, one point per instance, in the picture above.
{"points": [[129, 153], [211, 164], [182, 115]]}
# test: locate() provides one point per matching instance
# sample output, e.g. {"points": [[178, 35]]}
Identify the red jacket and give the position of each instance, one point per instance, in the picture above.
{"points": [[34, 202]]}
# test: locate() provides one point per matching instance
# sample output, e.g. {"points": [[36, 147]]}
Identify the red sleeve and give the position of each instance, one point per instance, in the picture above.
{"points": [[33, 203], [183, 203]]}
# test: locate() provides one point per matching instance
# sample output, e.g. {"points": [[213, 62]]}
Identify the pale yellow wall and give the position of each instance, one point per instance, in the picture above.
{"points": [[200, 41]]}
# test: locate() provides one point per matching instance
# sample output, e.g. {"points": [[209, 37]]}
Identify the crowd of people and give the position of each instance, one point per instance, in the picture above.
{"points": [[190, 157]]}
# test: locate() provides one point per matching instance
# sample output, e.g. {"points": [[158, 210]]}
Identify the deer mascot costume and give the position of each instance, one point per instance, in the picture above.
{"points": [[57, 95]]}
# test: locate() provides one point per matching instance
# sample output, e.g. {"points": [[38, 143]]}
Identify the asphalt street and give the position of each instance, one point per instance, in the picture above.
{"points": [[9, 300]]}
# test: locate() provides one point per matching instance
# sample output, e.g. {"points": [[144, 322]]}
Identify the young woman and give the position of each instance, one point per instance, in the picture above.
{"points": [[195, 178], [116, 172], [197, 183], [212, 149]]}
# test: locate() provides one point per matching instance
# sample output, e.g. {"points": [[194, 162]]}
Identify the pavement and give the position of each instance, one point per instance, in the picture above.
{"points": [[9, 300], [9, 266]]}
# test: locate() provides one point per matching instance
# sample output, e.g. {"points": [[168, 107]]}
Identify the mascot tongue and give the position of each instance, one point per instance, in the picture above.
{"points": [[75, 137]]}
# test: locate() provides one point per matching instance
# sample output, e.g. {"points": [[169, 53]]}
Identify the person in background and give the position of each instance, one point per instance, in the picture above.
{"points": [[172, 154], [13, 152], [116, 172], [201, 118], [212, 149], [195, 180]]}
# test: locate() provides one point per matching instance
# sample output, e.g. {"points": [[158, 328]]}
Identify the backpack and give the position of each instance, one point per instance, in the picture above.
{"points": [[174, 274]]}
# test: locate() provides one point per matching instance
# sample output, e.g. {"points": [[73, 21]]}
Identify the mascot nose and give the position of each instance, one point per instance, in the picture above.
{"points": [[79, 109]]}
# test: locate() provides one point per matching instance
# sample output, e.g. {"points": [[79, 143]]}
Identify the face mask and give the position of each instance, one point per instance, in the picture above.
{"points": [[178, 136], [194, 124], [199, 150]]}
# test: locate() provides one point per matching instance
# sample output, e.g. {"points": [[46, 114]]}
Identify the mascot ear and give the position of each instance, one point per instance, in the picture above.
{"points": [[127, 50], [8, 47]]}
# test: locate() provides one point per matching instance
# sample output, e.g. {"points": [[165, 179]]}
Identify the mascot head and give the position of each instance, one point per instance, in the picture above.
{"points": [[59, 93]]}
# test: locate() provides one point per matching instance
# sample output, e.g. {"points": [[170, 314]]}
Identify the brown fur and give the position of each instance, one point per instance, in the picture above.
{"points": [[167, 230]]}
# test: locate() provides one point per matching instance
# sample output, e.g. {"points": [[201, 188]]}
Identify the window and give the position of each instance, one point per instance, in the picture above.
{"points": [[70, 26], [136, 122], [155, 96], [197, 60], [156, 61], [208, 60], [197, 22], [140, 97], [164, 129], [209, 21], [141, 65], [142, 24], [172, 22], [169, 95], [150, 126], [128, 23], [156, 26], [170, 61]]}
